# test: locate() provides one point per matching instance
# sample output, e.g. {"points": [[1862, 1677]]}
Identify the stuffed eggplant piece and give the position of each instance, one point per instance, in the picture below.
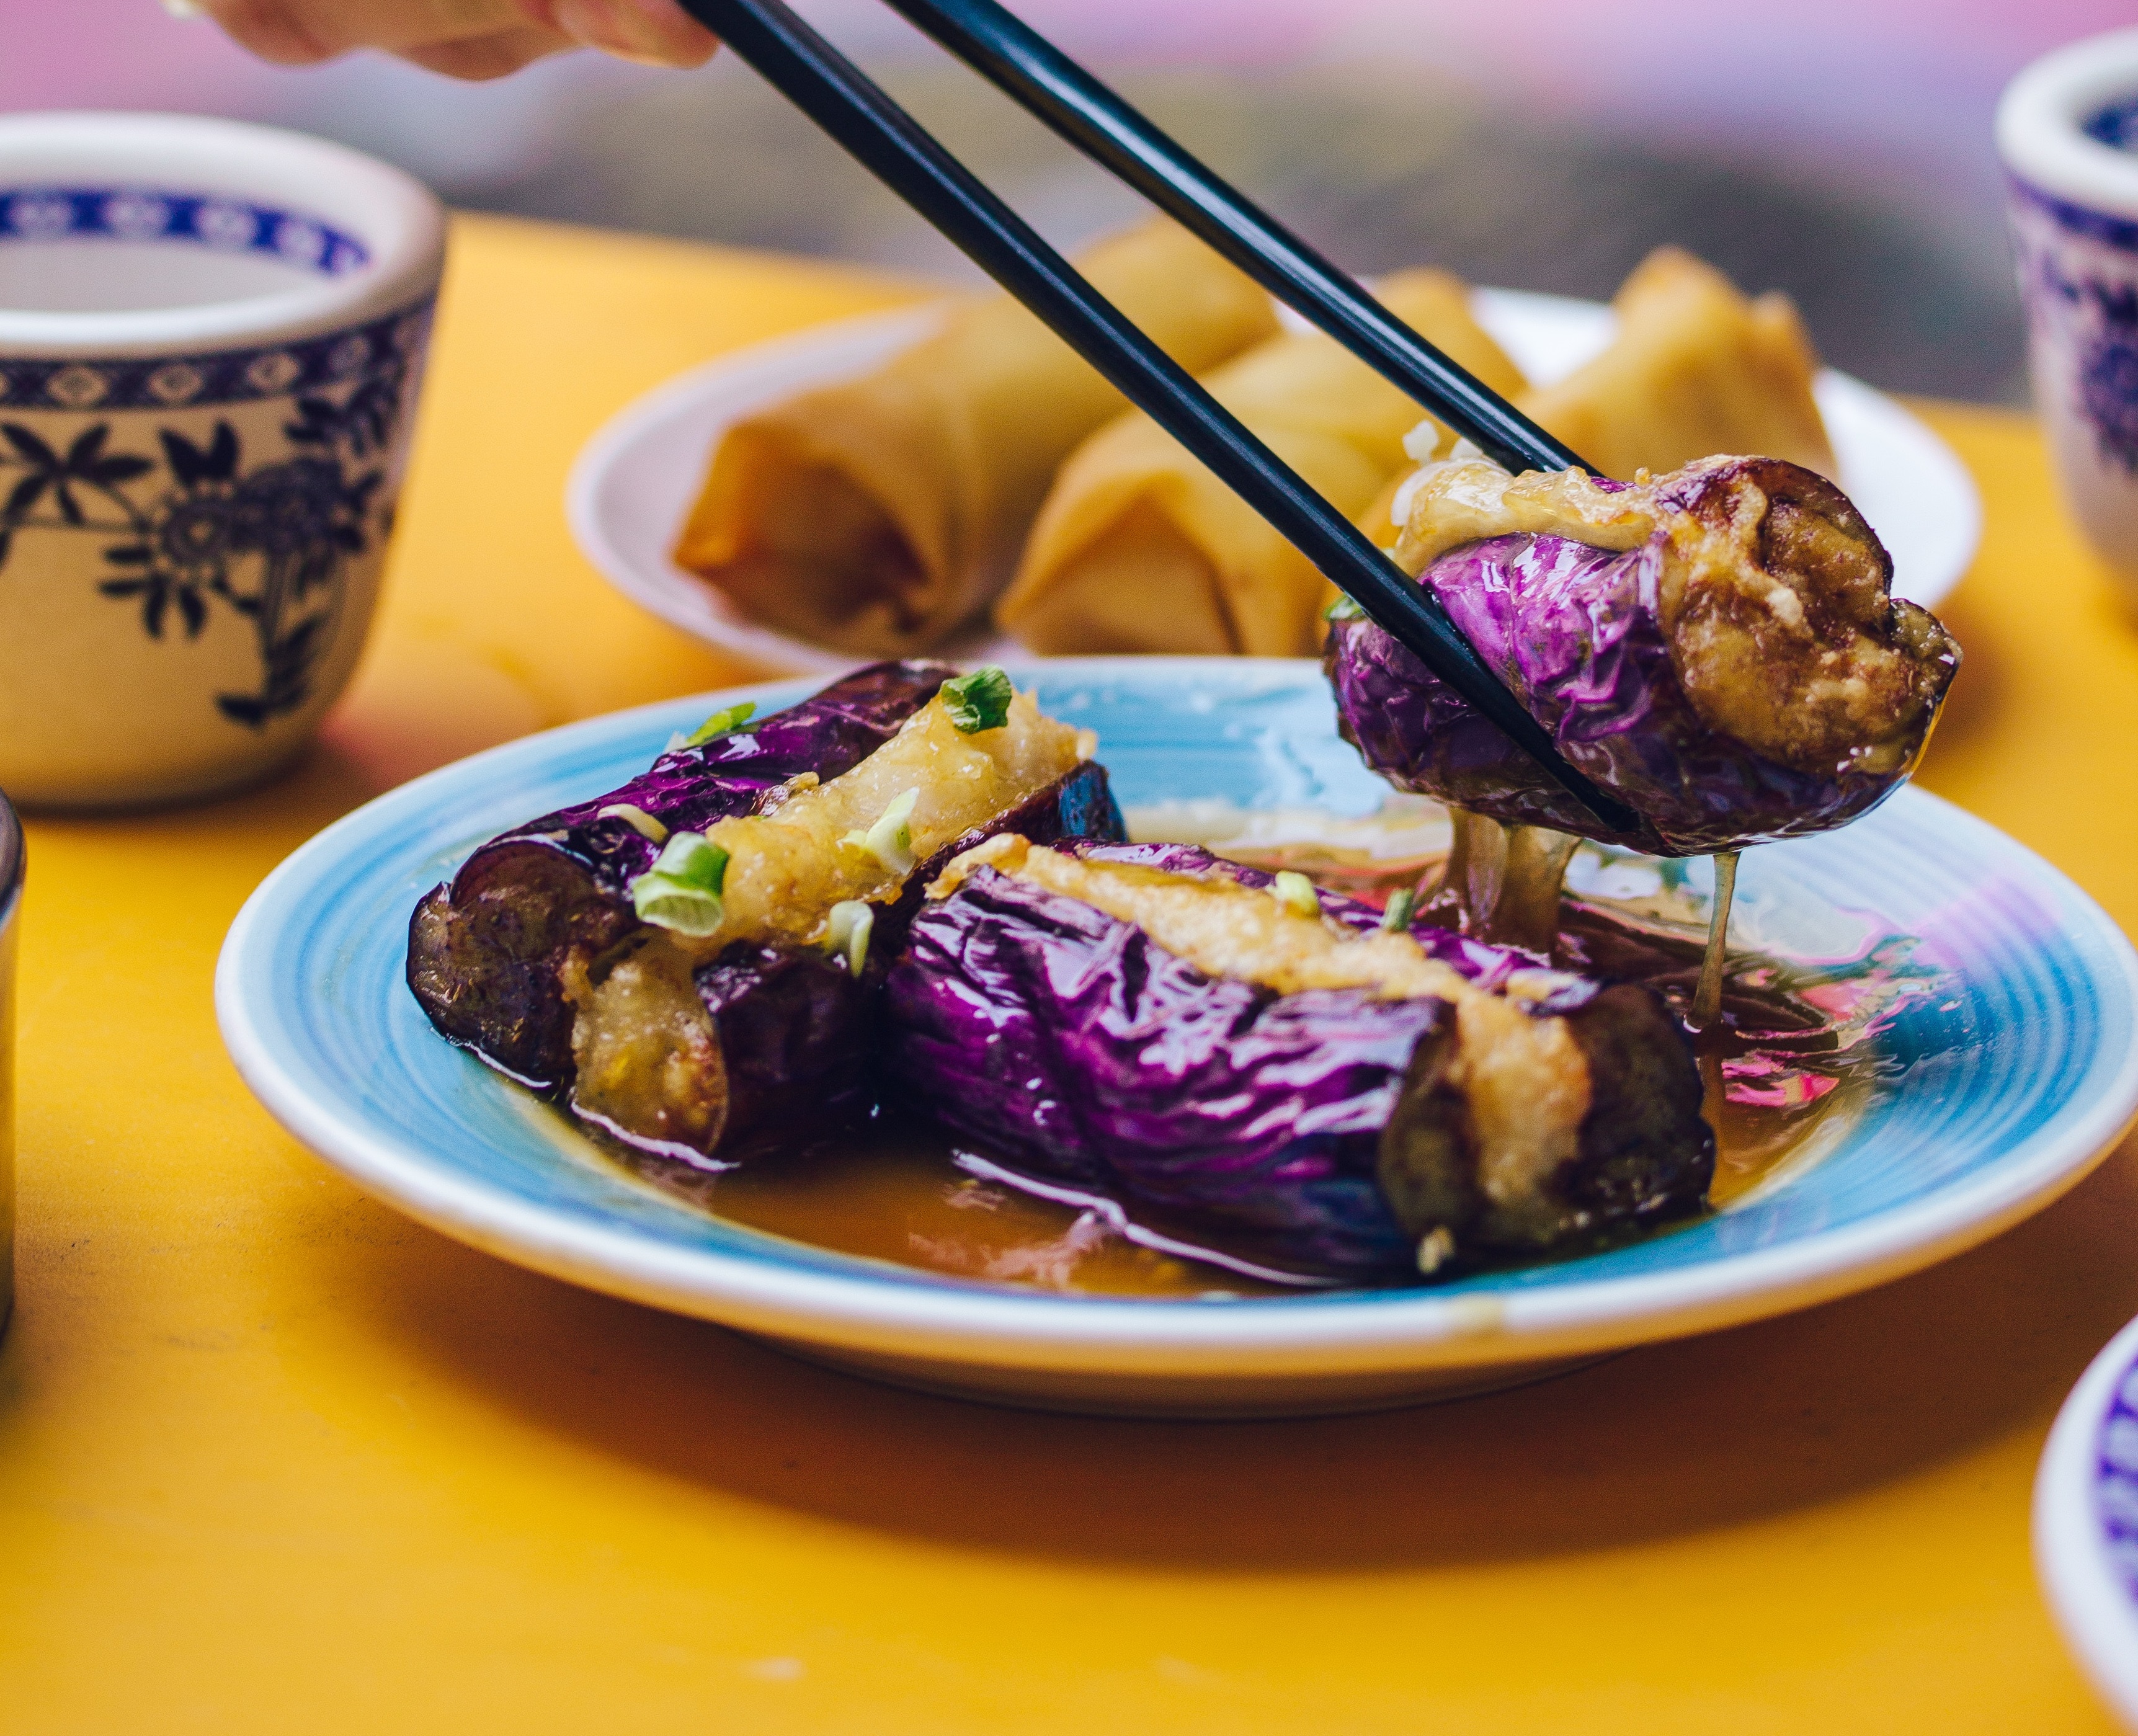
{"points": [[1261, 1069], [1718, 646], [694, 959], [486, 950]]}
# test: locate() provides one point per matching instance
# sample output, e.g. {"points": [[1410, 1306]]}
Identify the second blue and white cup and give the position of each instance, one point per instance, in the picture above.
{"points": [[2068, 131]]}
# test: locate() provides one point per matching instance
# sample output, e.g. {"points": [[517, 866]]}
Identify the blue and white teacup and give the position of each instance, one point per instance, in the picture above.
{"points": [[2067, 130], [211, 339]]}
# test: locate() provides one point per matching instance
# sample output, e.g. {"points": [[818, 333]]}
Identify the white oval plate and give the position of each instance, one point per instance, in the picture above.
{"points": [[1999, 1092], [636, 479], [2085, 1521]]}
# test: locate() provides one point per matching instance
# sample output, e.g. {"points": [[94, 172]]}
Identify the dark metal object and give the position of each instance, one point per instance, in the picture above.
{"points": [[840, 98]]}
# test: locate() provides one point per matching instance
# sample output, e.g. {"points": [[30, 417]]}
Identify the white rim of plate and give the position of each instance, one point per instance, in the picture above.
{"points": [[2042, 110], [763, 372], [2095, 1605], [1318, 1335]]}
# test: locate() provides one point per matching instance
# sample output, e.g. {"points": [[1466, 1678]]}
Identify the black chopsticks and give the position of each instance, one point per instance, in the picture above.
{"points": [[1031, 69], [841, 99]]}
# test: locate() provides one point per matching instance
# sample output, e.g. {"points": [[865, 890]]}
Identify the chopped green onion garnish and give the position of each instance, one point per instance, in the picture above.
{"points": [[980, 700], [847, 935], [637, 819], [1343, 609], [1295, 893], [694, 859], [724, 722], [889, 841], [681, 890], [1396, 919]]}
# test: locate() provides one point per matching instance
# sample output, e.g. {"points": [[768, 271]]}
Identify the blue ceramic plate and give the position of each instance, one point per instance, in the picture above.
{"points": [[2003, 1087]]}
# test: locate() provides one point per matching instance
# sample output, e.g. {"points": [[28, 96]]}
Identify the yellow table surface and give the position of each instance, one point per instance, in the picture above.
{"points": [[272, 1458]]}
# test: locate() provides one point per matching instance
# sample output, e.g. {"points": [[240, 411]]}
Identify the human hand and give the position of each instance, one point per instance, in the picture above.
{"points": [[463, 38]]}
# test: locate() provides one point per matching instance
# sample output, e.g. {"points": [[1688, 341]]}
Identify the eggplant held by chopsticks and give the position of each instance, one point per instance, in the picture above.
{"points": [[1718, 647], [1269, 1072], [692, 958]]}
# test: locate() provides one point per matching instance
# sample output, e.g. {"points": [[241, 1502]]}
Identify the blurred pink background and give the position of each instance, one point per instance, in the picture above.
{"points": [[1839, 148], [1919, 75]]}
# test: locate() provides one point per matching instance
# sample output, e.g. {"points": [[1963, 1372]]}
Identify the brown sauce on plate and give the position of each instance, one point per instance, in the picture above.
{"points": [[1791, 1057]]}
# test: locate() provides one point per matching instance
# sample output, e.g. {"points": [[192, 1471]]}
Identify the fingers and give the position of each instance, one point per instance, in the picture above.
{"points": [[492, 56], [269, 31], [465, 38], [656, 31], [298, 32]]}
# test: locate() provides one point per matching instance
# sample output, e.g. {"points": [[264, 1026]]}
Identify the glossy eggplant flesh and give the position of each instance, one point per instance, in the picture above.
{"points": [[1274, 1071]]}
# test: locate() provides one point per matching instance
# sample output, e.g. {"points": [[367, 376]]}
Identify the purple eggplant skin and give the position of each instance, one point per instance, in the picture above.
{"points": [[1647, 1152], [687, 789], [1071, 1048], [1077, 807], [1575, 632], [1314, 1134], [798, 1038], [486, 949], [486, 967]]}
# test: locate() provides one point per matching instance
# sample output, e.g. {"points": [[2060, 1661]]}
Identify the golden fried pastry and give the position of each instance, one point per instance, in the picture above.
{"points": [[1140, 548], [876, 515], [1695, 369]]}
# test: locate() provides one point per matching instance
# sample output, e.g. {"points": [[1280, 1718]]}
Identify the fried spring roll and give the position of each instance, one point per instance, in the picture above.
{"points": [[876, 515], [1140, 548], [1694, 369]]}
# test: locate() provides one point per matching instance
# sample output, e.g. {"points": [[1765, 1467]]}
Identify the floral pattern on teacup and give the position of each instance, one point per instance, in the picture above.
{"points": [[188, 523]]}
